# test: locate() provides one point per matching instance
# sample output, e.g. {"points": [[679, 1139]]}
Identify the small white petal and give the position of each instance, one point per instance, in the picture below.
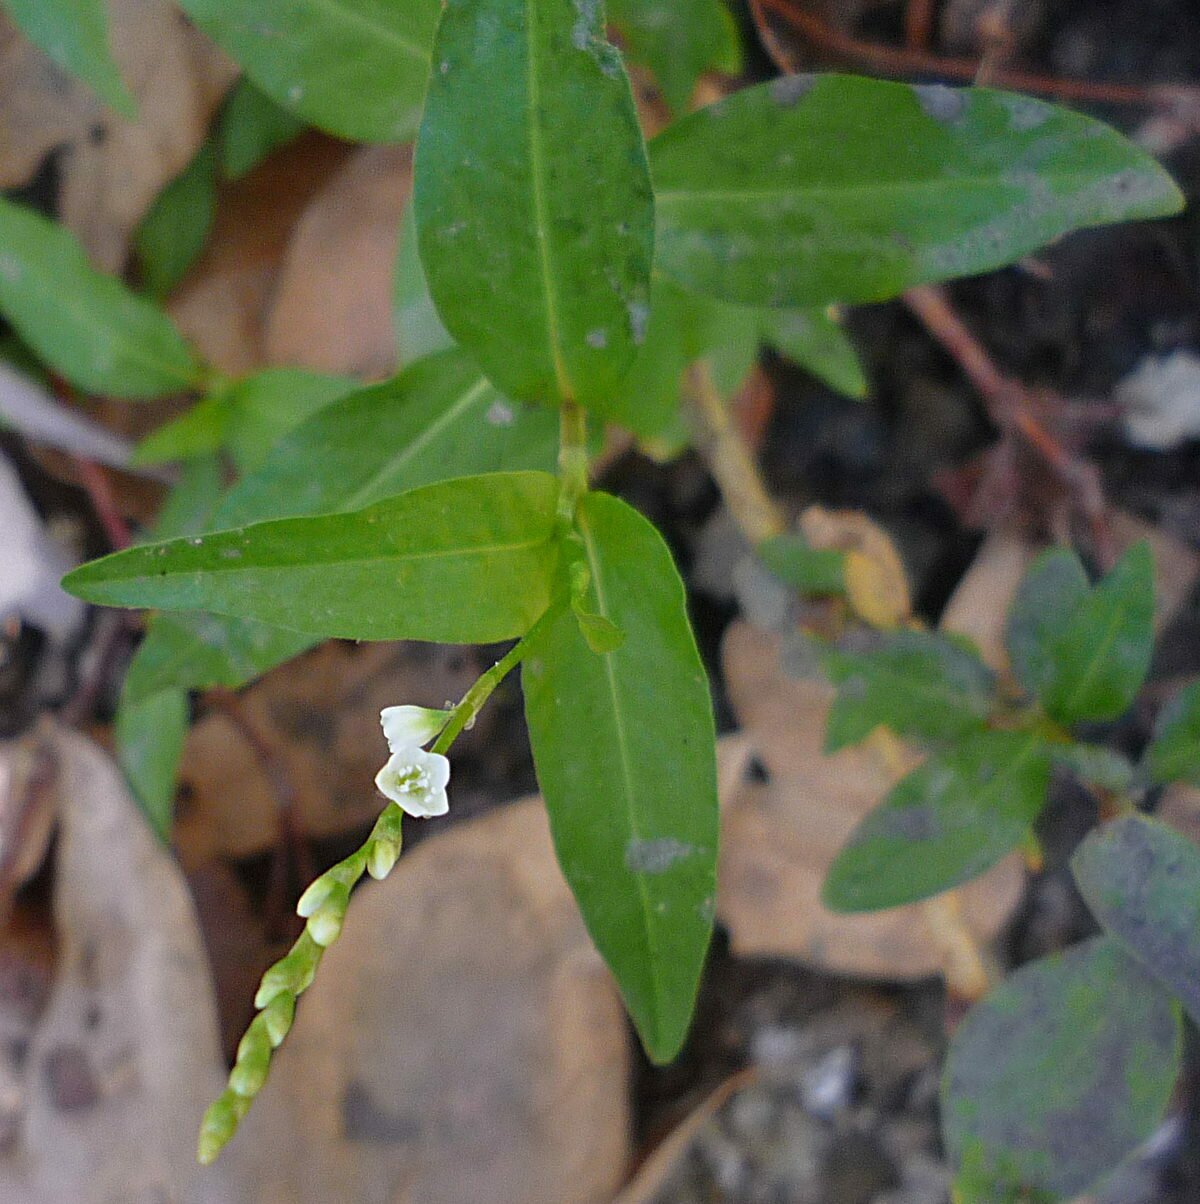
{"points": [[416, 782], [410, 727]]}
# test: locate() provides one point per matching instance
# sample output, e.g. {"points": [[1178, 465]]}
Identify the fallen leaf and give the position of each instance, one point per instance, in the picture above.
{"points": [[333, 305], [876, 582], [779, 839], [224, 302], [462, 1040], [124, 1056], [321, 713], [109, 170]]}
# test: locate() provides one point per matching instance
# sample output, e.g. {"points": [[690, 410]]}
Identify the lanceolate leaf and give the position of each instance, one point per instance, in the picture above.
{"points": [[944, 824], [149, 737], [356, 68], [1057, 1075], [917, 683], [175, 230], [85, 325], [1084, 653], [623, 743], [1174, 754], [74, 34], [533, 200], [813, 189], [678, 40], [252, 126], [1142, 882], [419, 330], [438, 419], [1051, 592], [413, 567], [818, 344], [194, 650]]}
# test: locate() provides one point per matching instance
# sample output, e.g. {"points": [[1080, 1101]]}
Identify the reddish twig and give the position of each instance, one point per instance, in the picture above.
{"points": [[1012, 407], [906, 61], [96, 484], [918, 24]]}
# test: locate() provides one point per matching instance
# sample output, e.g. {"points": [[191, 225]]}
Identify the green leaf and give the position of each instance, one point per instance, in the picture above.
{"points": [[812, 570], [248, 417], [812, 189], [918, 683], [944, 824], [87, 326], [438, 419], [175, 230], [461, 562], [74, 34], [818, 344], [1084, 653], [1174, 753], [252, 126], [265, 407], [1062, 1071], [682, 329], [151, 722], [192, 499], [678, 40], [149, 738], [419, 330], [1053, 588], [1141, 880], [356, 68], [197, 650], [1095, 764], [623, 744], [536, 222]]}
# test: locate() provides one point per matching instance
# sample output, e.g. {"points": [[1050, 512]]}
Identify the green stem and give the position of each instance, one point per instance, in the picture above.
{"points": [[473, 700], [572, 460]]}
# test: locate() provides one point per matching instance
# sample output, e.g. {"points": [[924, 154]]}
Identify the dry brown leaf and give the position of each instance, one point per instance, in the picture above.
{"points": [[124, 1057], [876, 581], [333, 307], [224, 302], [321, 714], [109, 169], [779, 839], [462, 1041]]}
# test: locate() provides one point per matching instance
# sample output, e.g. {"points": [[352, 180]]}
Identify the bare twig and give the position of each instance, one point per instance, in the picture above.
{"points": [[1013, 408], [906, 61]]}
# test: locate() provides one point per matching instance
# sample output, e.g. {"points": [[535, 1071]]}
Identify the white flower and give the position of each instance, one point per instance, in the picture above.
{"points": [[416, 781], [410, 727]]}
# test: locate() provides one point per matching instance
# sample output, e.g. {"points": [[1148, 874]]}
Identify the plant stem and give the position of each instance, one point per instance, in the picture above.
{"points": [[473, 700], [572, 459], [729, 459]]}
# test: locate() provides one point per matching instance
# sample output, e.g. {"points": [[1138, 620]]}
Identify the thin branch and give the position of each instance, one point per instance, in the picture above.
{"points": [[907, 61]]}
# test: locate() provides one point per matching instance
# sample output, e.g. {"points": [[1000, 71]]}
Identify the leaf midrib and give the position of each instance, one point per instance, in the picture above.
{"points": [[627, 777], [1120, 611], [872, 188], [537, 187]]}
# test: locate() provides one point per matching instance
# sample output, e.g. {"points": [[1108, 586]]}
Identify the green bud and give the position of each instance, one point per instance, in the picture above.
{"points": [[382, 858], [326, 926], [390, 825], [277, 1018], [247, 1078], [218, 1126], [314, 898]]}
